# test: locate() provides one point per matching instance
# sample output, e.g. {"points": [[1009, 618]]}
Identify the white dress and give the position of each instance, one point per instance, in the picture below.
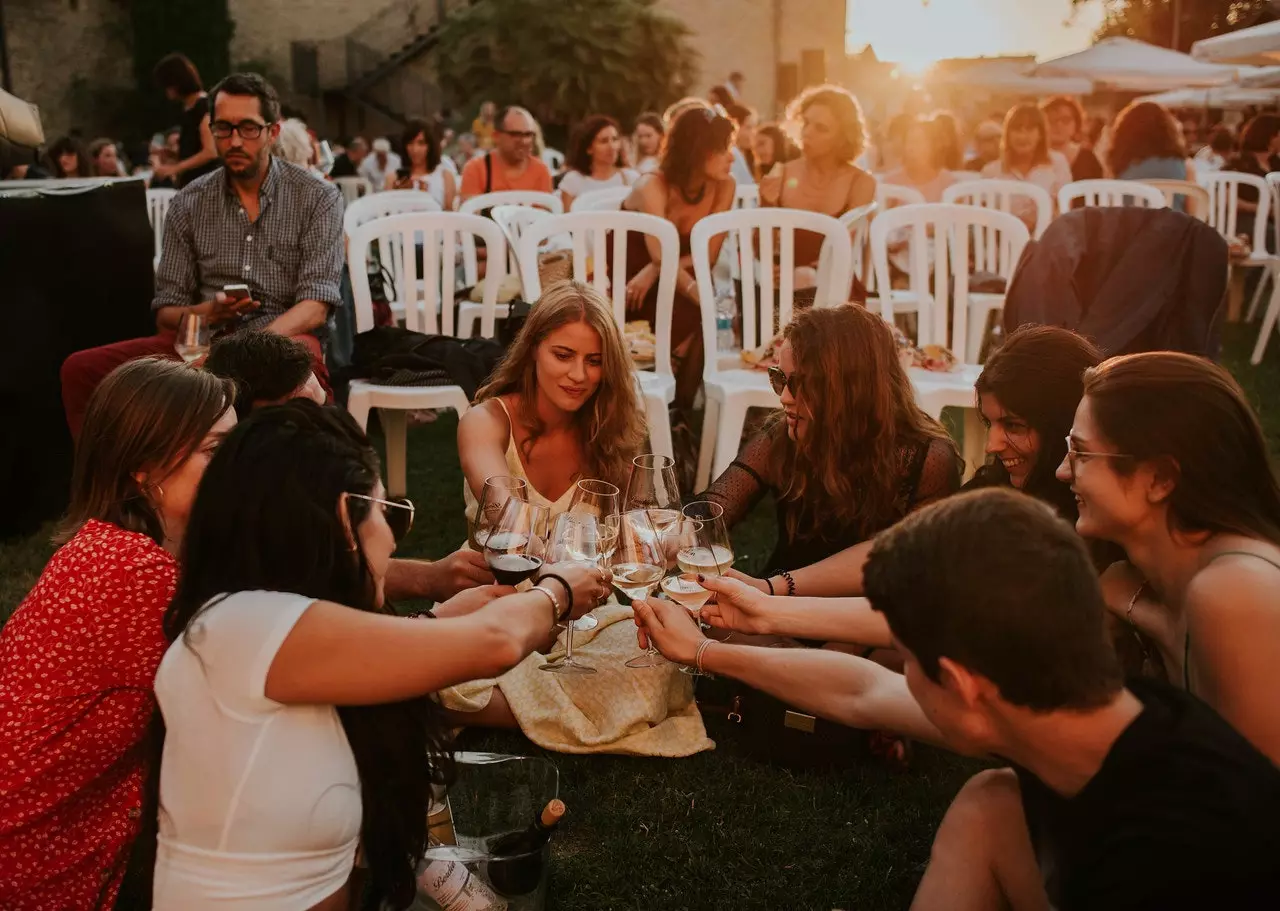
{"points": [[575, 183], [259, 801]]}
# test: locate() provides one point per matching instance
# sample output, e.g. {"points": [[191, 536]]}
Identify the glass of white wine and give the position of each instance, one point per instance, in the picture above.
{"points": [[493, 497], [653, 486], [576, 538], [703, 548], [192, 341], [638, 565]]}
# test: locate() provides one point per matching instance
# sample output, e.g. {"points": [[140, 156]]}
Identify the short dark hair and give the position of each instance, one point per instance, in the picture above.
{"points": [[994, 581], [1049, 105], [177, 72], [1256, 134], [265, 367], [412, 130], [248, 84], [1221, 140], [697, 134], [583, 138]]}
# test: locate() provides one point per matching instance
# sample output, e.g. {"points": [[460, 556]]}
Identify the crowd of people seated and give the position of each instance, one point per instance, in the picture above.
{"points": [[208, 700]]}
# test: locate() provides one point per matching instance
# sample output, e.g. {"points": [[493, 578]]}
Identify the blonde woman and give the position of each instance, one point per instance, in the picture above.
{"points": [[561, 406]]}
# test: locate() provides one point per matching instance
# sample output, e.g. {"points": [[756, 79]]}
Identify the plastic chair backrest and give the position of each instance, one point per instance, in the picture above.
{"points": [[890, 195], [429, 310], [1224, 197], [513, 220], [553, 159], [353, 188], [549, 201], [607, 200], [388, 202], [745, 226], [1273, 184], [858, 223], [1110, 193], [746, 196], [948, 231], [157, 210], [1000, 194], [1195, 198], [589, 234]]}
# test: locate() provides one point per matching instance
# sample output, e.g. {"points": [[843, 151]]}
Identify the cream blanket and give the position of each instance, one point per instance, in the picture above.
{"points": [[630, 711]]}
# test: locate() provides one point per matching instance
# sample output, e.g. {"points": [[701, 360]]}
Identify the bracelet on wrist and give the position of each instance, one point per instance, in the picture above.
{"points": [[555, 602], [791, 583], [568, 590], [769, 582], [702, 650]]}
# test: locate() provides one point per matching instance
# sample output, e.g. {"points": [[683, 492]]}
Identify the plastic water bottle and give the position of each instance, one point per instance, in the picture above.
{"points": [[726, 309]]}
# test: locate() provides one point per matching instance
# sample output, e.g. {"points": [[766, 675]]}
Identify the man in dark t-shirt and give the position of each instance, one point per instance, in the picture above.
{"points": [[1137, 797]]}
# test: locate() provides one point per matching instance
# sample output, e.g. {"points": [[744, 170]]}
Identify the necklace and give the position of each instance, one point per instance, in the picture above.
{"points": [[702, 191]]}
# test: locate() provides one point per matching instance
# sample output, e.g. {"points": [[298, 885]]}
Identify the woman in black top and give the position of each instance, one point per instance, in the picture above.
{"points": [[178, 78], [851, 453], [1065, 118], [67, 158]]}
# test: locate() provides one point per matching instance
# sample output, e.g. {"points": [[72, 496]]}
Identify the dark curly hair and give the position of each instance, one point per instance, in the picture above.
{"points": [[579, 157], [265, 367], [696, 135], [1143, 130]]}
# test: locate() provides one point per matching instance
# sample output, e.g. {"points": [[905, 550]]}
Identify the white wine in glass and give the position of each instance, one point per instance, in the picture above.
{"points": [[192, 341], [684, 590], [638, 566]]}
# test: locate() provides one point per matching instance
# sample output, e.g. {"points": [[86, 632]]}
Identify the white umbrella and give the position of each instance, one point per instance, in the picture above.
{"points": [[1227, 96], [1124, 64], [1007, 77], [1259, 45]]}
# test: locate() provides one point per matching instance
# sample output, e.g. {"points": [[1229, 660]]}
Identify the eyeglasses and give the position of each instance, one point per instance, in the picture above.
{"points": [[399, 519], [780, 381], [248, 129], [518, 134], [1074, 455]]}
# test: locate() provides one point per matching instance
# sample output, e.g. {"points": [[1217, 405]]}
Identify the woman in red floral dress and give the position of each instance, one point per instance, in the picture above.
{"points": [[78, 658]]}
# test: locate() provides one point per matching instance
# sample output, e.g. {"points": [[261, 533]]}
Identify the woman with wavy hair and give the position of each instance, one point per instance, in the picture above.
{"points": [[1146, 144], [1167, 460], [561, 406], [850, 454], [596, 160], [1025, 155], [298, 724], [693, 181]]}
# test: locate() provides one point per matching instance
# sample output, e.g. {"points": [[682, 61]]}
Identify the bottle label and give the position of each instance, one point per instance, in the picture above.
{"points": [[454, 888]]}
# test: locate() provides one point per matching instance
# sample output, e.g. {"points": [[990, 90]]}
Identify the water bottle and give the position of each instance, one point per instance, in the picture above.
{"points": [[726, 309]]}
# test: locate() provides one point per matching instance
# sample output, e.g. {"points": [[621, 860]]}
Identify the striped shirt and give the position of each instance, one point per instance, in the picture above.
{"points": [[292, 253]]}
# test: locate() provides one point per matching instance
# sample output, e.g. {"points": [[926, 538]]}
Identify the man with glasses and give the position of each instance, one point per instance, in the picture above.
{"points": [[511, 164], [259, 222]]}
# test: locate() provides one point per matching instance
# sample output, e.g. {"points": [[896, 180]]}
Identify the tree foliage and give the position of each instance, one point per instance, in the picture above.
{"points": [[564, 59], [1152, 20]]}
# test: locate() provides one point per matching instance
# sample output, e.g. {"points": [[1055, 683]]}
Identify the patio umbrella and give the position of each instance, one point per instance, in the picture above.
{"points": [[1259, 45], [1007, 77], [1126, 65], [1227, 96]]}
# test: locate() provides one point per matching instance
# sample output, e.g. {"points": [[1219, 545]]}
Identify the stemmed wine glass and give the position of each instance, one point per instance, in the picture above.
{"points": [[498, 489], [600, 499], [638, 565], [516, 544], [576, 538], [192, 341], [652, 486], [702, 547]]}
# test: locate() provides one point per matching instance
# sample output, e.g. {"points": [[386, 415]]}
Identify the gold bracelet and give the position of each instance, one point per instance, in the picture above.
{"points": [[702, 649], [555, 603]]}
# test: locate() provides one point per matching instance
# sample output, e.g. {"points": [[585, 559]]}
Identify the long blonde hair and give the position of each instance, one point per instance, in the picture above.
{"points": [[611, 423], [847, 470]]}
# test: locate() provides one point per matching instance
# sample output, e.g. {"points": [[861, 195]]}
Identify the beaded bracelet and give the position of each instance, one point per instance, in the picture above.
{"points": [[568, 591], [555, 602], [702, 648]]}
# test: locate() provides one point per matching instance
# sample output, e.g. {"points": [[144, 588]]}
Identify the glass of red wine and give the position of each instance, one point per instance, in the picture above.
{"points": [[498, 489], [516, 543]]}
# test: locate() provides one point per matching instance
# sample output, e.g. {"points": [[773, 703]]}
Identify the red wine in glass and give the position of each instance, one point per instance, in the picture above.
{"points": [[512, 569]]}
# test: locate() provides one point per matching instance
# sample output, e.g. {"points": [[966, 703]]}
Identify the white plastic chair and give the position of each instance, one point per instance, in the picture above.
{"points": [[1272, 313], [428, 308], [889, 195], [1195, 198], [512, 220], [731, 390], [589, 234], [157, 210], [746, 196], [553, 159], [380, 205], [1110, 193], [551, 202], [607, 200], [353, 188], [945, 239], [858, 223], [1000, 194], [1224, 211]]}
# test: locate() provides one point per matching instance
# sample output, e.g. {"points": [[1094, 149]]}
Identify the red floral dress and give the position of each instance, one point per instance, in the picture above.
{"points": [[78, 662]]}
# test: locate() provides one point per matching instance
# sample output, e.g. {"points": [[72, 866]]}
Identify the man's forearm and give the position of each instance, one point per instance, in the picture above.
{"points": [[168, 318], [829, 619], [301, 318], [832, 685], [411, 579]]}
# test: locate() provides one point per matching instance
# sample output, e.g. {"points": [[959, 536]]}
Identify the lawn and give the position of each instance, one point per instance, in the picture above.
{"points": [[719, 830]]}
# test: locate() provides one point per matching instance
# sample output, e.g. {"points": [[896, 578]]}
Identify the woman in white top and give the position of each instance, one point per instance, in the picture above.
{"points": [[561, 406], [424, 168], [1025, 155], [595, 161], [298, 725], [649, 136]]}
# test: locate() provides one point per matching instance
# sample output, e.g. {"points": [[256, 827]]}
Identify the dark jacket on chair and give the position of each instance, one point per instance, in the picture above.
{"points": [[1131, 279]]}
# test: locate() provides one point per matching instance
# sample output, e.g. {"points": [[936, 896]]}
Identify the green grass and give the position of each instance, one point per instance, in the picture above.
{"points": [[719, 830]]}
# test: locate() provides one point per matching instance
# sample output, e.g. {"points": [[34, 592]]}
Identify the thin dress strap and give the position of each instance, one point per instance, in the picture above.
{"points": [[1186, 645]]}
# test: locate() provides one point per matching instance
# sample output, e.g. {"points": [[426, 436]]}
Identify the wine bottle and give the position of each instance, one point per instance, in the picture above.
{"points": [[516, 864], [454, 887]]}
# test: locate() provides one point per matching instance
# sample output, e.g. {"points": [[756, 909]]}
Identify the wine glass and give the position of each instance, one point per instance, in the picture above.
{"points": [[515, 545], [192, 341], [597, 498], [576, 538], [638, 565], [493, 497], [702, 547], [653, 486]]}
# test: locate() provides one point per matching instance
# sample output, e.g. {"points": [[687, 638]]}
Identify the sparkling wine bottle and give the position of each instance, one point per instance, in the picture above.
{"points": [[516, 864]]}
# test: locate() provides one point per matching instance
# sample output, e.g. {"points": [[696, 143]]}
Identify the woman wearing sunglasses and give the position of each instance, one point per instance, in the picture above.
{"points": [[850, 454], [298, 722], [1167, 460]]}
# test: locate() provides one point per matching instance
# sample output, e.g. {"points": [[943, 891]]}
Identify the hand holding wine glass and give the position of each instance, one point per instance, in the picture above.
{"points": [[735, 606], [638, 566], [514, 547], [669, 629]]}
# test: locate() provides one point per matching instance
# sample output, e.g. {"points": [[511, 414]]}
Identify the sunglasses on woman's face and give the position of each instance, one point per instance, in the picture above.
{"points": [[780, 381], [398, 513]]}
